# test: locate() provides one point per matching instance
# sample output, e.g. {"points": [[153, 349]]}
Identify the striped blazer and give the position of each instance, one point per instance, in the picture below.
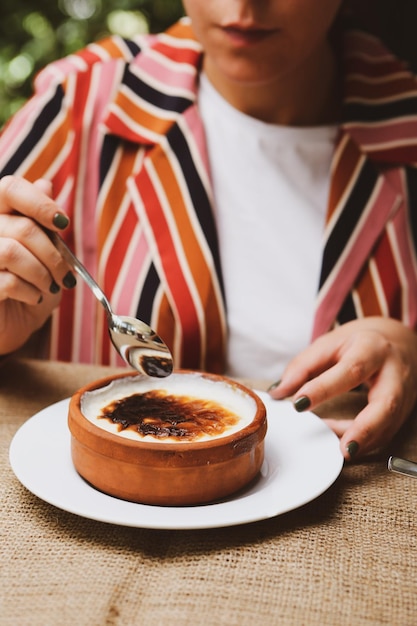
{"points": [[116, 129]]}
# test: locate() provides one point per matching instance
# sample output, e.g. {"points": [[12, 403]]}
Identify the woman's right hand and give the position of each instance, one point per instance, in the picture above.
{"points": [[32, 271]]}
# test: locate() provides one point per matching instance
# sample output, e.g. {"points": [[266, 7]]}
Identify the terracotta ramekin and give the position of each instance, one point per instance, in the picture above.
{"points": [[168, 474]]}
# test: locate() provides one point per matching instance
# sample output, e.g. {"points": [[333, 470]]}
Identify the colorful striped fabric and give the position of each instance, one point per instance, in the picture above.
{"points": [[116, 129], [369, 260]]}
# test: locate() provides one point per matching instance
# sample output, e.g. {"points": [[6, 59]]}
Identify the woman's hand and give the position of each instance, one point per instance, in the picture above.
{"points": [[31, 269], [380, 353]]}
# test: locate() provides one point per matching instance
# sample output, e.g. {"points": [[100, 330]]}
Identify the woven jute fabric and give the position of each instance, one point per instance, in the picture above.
{"points": [[346, 558]]}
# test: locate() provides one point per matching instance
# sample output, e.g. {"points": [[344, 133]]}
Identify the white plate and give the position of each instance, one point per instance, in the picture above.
{"points": [[302, 459]]}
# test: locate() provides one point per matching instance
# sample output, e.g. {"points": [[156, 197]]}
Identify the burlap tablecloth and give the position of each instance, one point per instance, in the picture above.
{"points": [[348, 557]]}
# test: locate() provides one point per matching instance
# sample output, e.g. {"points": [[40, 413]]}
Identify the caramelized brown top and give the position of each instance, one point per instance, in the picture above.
{"points": [[177, 417]]}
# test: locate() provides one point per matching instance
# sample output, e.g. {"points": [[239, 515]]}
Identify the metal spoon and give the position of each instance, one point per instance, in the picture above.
{"points": [[135, 341], [402, 466]]}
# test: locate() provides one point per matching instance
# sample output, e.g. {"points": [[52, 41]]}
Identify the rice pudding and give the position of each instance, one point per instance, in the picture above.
{"points": [[179, 409], [186, 439]]}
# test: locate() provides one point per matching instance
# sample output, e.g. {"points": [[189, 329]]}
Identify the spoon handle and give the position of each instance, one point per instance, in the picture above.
{"points": [[76, 264], [402, 466]]}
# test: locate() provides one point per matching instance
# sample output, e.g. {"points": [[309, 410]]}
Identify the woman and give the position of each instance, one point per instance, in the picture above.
{"points": [[199, 170]]}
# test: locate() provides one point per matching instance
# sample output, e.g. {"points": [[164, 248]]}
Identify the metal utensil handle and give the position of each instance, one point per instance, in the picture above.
{"points": [[70, 257], [402, 466]]}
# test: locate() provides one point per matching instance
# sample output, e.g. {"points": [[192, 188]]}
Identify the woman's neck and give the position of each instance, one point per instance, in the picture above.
{"points": [[309, 96]]}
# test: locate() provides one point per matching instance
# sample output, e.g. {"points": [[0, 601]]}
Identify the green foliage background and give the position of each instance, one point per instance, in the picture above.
{"points": [[34, 33]]}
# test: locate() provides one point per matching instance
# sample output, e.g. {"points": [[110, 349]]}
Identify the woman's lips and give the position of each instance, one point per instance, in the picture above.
{"points": [[247, 36]]}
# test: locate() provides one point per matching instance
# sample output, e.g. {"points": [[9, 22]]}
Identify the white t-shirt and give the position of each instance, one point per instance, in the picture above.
{"points": [[271, 188]]}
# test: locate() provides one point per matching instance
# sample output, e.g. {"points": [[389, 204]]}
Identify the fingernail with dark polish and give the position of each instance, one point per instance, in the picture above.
{"points": [[302, 403], [54, 287], [69, 281], [352, 448], [60, 220], [274, 386]]}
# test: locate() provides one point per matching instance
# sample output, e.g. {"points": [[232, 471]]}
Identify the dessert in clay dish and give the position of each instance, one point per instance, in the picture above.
{"points": [[190, 438]]}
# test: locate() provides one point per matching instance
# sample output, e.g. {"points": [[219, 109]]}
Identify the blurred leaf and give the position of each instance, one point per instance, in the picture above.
{"points": [[33, 36]]}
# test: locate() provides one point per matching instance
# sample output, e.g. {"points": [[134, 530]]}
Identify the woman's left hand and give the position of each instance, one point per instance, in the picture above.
{"points": [[379, 353]]}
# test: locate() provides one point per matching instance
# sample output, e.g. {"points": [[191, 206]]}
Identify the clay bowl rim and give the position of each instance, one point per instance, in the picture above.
{"points": [[97, 438]]}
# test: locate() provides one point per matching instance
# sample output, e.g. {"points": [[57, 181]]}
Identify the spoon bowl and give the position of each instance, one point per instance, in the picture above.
{"points": [[136, 342], [140, 346]]}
